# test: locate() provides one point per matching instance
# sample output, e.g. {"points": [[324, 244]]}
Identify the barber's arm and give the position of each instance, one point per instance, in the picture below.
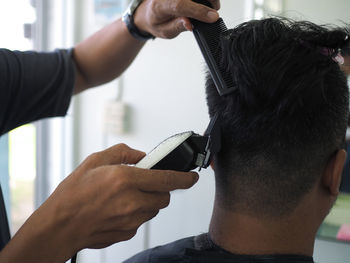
{"points": [[102, 202], [107, 53]]}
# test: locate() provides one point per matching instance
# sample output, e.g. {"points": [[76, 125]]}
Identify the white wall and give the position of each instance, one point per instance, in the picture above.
{"points": [[164, 89], [319, 11], [330, 251]]}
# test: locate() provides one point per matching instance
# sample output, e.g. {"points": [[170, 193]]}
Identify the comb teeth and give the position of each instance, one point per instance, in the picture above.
{"points": [[208, 39]]}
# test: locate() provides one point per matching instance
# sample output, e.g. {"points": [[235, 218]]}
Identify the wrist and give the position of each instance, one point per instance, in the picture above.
{"points": [[139, 21], [134, 22], [62, 226], [41, 239], [53, 232]]}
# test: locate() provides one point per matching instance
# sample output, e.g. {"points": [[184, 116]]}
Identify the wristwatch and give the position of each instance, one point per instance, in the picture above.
{"points": [[128, 19]]}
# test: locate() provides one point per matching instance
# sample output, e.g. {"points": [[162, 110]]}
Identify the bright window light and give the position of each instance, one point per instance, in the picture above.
{"points": [[13, 15]]}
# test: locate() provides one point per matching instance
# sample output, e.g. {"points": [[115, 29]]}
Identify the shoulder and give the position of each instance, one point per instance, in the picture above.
{"points": [[170, 253]]}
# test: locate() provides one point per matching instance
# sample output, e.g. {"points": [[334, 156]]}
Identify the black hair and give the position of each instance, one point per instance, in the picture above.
{"points": [[287, 116]]}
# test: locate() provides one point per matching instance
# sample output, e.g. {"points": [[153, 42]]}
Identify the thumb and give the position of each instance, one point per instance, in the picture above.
{"points": [[118, 154], [122, 154]]}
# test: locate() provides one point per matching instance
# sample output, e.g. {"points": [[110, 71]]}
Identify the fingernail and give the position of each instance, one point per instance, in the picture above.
{"points": [[213, 15], [187, 26], [196, 178], [184, 25]]}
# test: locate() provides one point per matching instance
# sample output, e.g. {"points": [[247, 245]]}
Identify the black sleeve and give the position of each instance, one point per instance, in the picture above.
{"points": [[170, 253], [34, 86]]}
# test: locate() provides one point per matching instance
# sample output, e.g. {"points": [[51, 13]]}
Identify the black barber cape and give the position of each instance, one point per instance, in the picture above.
{"points": [[201, 249], [33, 86]]}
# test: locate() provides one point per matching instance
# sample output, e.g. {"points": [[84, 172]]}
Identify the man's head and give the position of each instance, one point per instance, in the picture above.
{"points": [[286, 119]]}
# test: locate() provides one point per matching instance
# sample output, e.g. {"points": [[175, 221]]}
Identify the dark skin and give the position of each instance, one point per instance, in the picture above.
{"points": [[104, 201], [246, 233], [346, 66]]}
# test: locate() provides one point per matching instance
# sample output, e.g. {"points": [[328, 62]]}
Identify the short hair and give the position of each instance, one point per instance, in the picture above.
{"points": [[286, 118]]}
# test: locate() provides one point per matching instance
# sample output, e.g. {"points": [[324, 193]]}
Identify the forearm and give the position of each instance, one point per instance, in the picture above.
{"points": [[43, 238], [104, 56]]}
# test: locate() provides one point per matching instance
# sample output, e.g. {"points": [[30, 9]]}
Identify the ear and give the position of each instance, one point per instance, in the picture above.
{"points": [[346, 67], [212, 164], [332, 174]]}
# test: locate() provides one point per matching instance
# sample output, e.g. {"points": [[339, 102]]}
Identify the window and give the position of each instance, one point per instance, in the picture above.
{"points": [[20, 147], [267, 7], [22, 174]]}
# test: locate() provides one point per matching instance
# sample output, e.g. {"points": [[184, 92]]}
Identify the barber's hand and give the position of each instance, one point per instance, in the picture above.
{"points": [[168, 18], [104, 202]]}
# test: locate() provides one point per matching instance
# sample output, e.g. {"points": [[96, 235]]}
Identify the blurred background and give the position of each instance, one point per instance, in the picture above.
{"points": [[161, 94]]}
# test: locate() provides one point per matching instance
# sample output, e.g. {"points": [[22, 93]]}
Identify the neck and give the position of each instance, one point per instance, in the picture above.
{"points": [[240, 233]]}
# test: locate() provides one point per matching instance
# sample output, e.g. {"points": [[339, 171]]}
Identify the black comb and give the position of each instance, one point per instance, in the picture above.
{"points": [[208, 39]]}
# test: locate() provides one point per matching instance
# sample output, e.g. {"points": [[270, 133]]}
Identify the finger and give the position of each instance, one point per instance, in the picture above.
{"points": [[163, 181], [153, 201], [122, 154], [173, 28], [126, 223], [215, 4], [105, 239], [187, 24], [132, 223], [187, 8], [118, 154], [137, 203]]}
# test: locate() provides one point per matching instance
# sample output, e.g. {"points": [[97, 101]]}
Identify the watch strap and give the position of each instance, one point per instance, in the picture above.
{"points": [[134, 31]]}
